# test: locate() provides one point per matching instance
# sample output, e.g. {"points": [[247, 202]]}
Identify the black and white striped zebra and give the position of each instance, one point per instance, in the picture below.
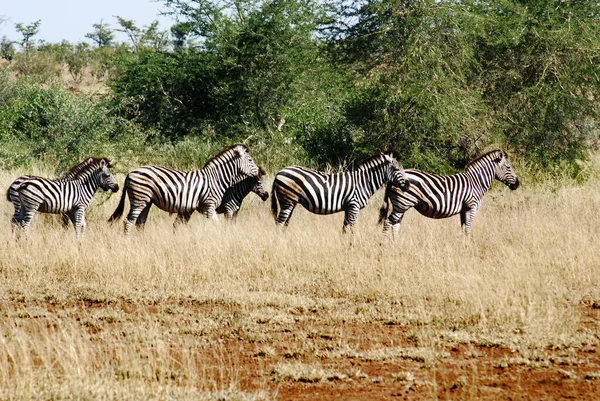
{"points": [[322, 193], [184, 192], [232, 199], [13, 196], [234, 196], [440, 196], [70, 195]]}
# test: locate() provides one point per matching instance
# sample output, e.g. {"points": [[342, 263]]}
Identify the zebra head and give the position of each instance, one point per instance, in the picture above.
{"points": [[504, 171], [259, 186], [106, 180], [397, 176], [245, 164]]}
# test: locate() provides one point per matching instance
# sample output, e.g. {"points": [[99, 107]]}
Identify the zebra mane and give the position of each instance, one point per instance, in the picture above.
{"points": [[79, 169], [497, 153], [224, 152], [376, 160]]}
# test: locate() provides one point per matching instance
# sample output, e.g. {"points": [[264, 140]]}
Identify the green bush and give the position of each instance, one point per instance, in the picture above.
{"points": [[49, 121]]}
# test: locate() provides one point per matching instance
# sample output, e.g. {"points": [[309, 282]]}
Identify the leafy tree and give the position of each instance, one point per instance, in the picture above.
{"points": [[172, 91], [440, 80], [102, 35], [540, 73], [150, 36], [180, 31], [258, 49], [28, 32]]}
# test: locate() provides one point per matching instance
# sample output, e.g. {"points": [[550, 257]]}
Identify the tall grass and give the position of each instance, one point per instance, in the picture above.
{"points": [[532, 261]]}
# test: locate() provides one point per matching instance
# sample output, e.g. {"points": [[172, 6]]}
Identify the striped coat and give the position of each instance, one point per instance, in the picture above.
{"points": [[322, 193], [183, 192], [70, 195], [441, 196]]}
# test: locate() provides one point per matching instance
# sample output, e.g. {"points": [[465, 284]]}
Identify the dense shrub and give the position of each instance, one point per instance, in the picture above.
{"points": [[38, 121]]}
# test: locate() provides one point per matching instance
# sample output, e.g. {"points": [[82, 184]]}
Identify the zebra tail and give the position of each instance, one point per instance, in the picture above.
{"points": [[119, 210], [385, 206], [273, 203]]}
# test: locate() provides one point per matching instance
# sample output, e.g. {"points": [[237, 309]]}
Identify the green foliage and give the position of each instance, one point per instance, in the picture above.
{"points": [[168, 91], [102, 35], [540, 74], [28, 32], [318, 83], [7, 49], [41, 121]]}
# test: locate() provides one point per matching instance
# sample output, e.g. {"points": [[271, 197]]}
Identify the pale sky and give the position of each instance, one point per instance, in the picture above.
{"points": [[72, 19]]}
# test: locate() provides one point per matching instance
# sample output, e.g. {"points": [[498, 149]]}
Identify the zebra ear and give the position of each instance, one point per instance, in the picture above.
{"points": [[110, 163]]}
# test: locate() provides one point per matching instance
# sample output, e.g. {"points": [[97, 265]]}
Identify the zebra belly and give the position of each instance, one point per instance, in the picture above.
{"points": [[429, 211], [60, 208]]}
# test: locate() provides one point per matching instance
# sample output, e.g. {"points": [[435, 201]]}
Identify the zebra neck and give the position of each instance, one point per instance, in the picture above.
{"points": [[86, 187], [239, 191], [369, 180], [483, 175]]}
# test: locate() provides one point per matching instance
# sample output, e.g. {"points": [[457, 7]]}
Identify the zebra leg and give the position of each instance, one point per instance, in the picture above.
{"points": [[286, 208], [78, 218], [15, 221], [26, 216], [141, 220], [350, 216], [136, 208], [466, 220], [65, 220], [393, 222], [182, 218], [210, 212]]}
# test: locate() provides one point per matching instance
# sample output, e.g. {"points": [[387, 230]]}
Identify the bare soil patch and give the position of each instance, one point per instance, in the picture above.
{"points": [[354, 361]]}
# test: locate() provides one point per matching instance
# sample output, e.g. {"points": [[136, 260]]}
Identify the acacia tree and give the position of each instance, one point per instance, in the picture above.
{"points": [[28, 32], [102, 35], [148, 36], [439, 80], [540, 73]]}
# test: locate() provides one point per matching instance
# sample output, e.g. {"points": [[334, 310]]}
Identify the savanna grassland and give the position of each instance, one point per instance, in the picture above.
{"points": [[244, 311]]}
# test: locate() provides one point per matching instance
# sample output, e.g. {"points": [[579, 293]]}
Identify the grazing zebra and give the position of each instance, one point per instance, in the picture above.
{"points": [[439, 196], [183, 192], [322, 193], [69, 195], [234, 196]]}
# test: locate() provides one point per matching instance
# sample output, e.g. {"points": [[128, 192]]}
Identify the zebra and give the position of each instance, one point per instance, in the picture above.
{"points": [[234, 196], [232, 199], [69, 195], [13, 196], [322, 193], [439, 196], [183, 192]]}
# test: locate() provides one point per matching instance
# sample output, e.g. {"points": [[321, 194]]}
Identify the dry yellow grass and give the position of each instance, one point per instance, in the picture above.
{"points": [[110, 318]]}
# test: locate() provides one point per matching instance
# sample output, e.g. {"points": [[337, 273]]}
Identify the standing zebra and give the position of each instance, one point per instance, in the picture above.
{"points": [[322, 193], [71, 194], [13, 196], [439, 196], [183, 192], [232, 199]]}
